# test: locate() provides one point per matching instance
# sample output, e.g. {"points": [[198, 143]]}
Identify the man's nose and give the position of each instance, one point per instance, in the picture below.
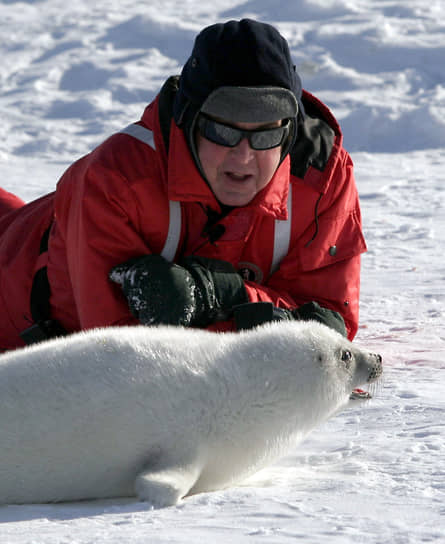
{"points": [[243, 151]]}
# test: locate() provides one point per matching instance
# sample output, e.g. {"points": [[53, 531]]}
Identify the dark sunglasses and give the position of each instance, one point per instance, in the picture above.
{"points": [[229, 136]]}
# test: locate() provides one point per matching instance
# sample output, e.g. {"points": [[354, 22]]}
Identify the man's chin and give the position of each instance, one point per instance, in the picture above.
{"points": [[235, 200], [236, 195]]}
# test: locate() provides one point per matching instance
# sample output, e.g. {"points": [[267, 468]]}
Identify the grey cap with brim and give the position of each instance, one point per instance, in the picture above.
{"points": [[251, 104]]}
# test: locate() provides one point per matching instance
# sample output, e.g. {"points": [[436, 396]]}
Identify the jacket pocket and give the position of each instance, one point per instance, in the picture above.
{"points": [[337, 239]]}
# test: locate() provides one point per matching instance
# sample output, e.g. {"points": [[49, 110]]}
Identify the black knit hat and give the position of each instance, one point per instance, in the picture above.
{"points": [[239, 71], [235, 54]]}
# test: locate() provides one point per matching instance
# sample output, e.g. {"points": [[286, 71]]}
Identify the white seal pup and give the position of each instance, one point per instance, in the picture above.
{"points": [[165, 412]]}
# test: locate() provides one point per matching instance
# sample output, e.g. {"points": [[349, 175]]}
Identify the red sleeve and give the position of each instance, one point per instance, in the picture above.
{"points": [[99, 217]]}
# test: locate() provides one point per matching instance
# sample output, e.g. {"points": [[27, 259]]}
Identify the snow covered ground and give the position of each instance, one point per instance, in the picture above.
{"points": [[72, 73]]}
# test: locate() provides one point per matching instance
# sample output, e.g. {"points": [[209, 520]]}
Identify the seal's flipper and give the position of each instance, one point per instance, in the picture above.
{"points": [[165, 487]]}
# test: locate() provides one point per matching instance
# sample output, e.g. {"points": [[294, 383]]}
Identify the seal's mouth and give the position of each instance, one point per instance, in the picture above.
{"points": [[375, 370], [360, 394]]}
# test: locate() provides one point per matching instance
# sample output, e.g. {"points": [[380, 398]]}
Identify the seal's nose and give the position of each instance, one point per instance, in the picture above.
{"points": [[375, 371]]}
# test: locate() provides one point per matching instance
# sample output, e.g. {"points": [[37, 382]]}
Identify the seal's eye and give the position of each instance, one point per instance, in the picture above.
{"points": [[346, 357]]}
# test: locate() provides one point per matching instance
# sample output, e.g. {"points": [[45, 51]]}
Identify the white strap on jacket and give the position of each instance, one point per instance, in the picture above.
{"points": [[174, 228], [140, 133], [174, 231], [282, 235], [282, 228]]}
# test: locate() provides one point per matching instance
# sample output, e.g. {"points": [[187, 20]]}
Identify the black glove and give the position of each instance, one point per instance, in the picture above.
{"points": [[253, 314], [197, 293], [313, 311], [218, 289]]}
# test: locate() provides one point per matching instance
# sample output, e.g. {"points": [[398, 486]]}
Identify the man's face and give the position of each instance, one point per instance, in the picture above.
{"points": [[237, 174]]}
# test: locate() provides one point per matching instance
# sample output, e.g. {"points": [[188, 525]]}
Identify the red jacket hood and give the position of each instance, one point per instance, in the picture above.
{"points": [[186, 184]]}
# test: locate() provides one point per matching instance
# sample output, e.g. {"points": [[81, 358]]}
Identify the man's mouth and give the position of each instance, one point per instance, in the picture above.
{"points": [[234, 176]]}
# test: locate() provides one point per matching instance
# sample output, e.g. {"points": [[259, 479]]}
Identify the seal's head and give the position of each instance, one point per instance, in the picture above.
{"points": [[351, 365]]}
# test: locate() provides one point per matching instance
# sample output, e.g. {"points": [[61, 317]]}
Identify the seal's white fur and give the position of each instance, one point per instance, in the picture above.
{"points": [[164, 412]]}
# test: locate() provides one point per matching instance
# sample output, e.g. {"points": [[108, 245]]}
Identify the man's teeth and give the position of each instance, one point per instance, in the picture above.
{"points": [[238, 176]]}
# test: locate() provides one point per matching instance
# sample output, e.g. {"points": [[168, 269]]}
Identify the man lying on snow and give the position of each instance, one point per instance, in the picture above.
{"points": [[229, 204]]}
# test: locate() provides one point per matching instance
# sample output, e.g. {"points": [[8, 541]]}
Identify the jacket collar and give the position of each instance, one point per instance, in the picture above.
{"points": [[317, 148]]}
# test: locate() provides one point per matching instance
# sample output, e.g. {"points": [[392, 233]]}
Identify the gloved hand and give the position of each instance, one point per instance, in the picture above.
{"points": [[313, 311], [197, 293], [257, 313], [254, 314], [218, 289]]}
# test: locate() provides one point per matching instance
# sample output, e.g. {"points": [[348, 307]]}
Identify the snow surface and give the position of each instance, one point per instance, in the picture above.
{"points": [[73, 72]]}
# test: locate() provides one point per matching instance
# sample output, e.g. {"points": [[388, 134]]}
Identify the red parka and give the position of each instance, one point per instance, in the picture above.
{"points": [[113, 204]]}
